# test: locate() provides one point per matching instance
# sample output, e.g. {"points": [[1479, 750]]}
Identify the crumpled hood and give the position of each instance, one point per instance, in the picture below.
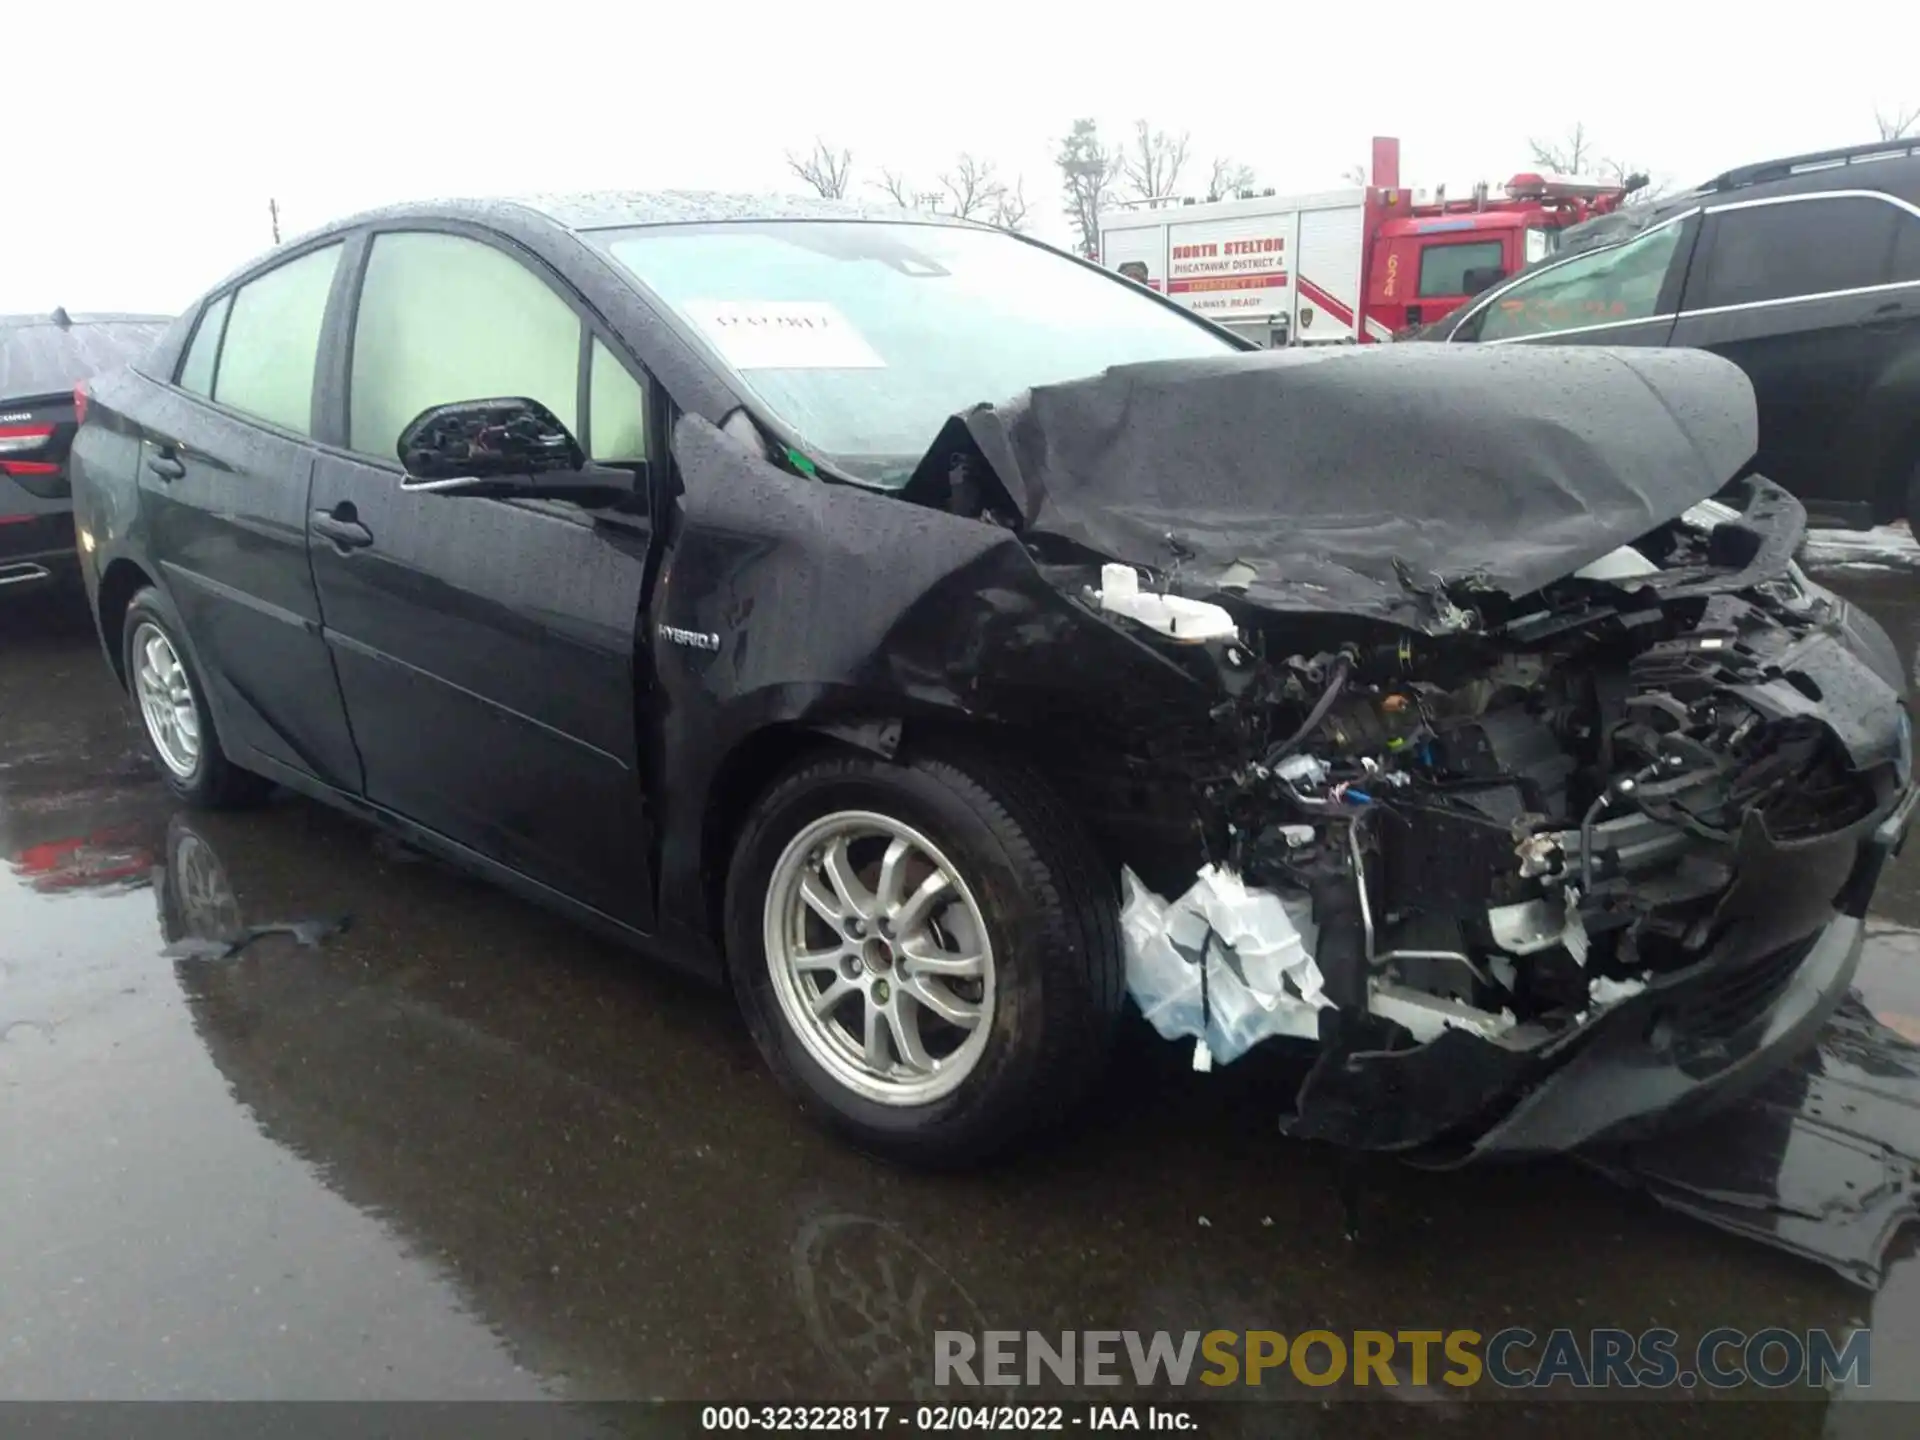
{"points": [[1360, 481]]}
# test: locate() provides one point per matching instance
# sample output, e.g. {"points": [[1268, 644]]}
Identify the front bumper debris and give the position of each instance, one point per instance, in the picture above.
{"points": [[1821, 1157], [1823, 1161]]}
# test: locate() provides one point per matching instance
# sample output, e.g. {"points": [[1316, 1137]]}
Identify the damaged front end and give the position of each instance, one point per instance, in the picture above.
{"points": [[1589, 860], [1544, 794]]}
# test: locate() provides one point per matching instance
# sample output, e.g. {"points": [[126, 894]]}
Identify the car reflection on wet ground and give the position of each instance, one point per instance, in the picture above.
{"points": [[462, 1150]]}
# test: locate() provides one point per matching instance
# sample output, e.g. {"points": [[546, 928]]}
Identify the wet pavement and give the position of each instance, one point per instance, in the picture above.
{"points": [[461, 1150]]}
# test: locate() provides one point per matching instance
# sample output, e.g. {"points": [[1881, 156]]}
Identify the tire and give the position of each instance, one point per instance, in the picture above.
{"points": [[1021, 876], [1912, 511], [187, 754]]}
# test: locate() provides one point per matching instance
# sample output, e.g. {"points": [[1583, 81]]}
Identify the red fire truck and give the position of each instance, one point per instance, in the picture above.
{"points": [[1344, 266]]}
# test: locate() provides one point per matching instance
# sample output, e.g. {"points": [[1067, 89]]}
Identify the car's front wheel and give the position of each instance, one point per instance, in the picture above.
{"points": [[172, 705], [925, 950]]}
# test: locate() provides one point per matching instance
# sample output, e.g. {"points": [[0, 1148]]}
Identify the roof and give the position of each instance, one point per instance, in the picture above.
{"points": [[615, 209], [605, 210], [41, 356], [1892, 167], [86, 317], [609, 209], [1872, 152]]}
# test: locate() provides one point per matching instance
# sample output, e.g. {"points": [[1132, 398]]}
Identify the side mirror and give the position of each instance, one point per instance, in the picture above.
{"points": [[500, 448], [1485, 277]]}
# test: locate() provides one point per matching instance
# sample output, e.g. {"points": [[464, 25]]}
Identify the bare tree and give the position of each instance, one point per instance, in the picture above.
{"points": [[1569, 155], [273, 217], [1010, 207], [1154, 161], [971, 187], [1088, 173], [1228, 179], [1896, 124], [823, 169], [1356, 175], [1636, 180], [898, 188], [1577, 154]]}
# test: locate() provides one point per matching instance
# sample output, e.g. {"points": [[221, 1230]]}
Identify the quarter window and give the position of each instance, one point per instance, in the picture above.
{"points": [[616, 410], [1906, 250], [1804, 247], [272, 339], [197, 373], [1606, 287], [444, 319]]}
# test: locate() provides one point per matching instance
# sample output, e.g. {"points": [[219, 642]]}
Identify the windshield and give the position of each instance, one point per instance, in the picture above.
{"points": [[864, 337]]}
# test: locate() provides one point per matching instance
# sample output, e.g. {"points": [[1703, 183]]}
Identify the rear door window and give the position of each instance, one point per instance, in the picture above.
{"points": [[266, 361], [1781, 251], [1443, 268]]}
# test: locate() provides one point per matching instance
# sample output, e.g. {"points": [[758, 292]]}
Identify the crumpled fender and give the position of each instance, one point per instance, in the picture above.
{"points": [[787, 600]]}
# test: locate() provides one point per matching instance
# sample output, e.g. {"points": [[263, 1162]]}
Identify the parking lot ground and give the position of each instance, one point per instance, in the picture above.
{"points": [[464, 1151]]}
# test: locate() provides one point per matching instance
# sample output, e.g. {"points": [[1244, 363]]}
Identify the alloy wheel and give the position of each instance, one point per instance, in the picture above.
{"points": [[880, 957], [166, 701]]}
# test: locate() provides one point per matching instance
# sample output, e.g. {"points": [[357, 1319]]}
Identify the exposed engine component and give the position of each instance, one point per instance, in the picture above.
{"points": [[1510, 830]]}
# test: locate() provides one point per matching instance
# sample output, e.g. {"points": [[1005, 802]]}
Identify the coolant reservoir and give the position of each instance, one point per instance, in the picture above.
{"points": [[1175, 615]]}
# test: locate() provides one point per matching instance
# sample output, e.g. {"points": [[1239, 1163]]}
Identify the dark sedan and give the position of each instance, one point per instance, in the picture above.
{"points": [[44, 361], [858, 605]]}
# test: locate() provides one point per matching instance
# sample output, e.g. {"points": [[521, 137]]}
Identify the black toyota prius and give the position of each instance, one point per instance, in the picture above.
{"points": [[948, 644]]}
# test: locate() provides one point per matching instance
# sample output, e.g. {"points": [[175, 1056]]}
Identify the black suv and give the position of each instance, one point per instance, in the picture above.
{"points": [[1806, 273], [44, 359]]}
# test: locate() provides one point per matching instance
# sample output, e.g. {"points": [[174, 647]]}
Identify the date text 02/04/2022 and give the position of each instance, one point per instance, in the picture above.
{"points": [[937, 1419]]}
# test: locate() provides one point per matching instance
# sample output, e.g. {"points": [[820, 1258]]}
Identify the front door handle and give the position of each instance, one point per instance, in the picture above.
{"points": [[167, 467], [342, 526]]}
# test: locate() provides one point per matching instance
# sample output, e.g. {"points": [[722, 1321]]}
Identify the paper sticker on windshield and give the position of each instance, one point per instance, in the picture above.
{"points": [[783, 335]]}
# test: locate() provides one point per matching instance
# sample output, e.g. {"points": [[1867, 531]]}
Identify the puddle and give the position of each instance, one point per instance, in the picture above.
{"points": [[463, 1150]]}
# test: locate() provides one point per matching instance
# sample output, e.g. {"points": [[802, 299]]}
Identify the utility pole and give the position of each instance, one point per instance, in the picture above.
{"points": [[273, 213]]}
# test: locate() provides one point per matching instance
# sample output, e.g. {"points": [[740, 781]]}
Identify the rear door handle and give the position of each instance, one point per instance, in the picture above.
{"points": [[1890, 316], [167, 467], [342, 527]]}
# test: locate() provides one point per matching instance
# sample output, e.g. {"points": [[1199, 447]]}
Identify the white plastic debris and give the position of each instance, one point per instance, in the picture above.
{"points": [[1604, 992], [1709, 513], [1302, 768], [1174, 615], [1626, 563], [1260, 977]]}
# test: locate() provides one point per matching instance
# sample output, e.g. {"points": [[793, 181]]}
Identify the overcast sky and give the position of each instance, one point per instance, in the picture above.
{"points": [[144, 146]]}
